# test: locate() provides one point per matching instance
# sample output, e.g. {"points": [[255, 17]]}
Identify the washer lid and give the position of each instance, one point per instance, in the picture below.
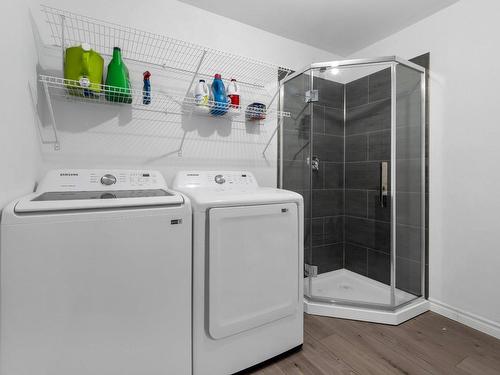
{"points": [[80, 189], [86, 200], [206, 199]]}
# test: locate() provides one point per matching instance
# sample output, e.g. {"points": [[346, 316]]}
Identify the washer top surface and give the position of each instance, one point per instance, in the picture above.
{"points": [[79, 189], [228, 188]]}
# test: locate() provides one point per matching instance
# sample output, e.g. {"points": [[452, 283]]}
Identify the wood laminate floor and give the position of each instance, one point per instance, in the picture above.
{"points": [[428, 344]]}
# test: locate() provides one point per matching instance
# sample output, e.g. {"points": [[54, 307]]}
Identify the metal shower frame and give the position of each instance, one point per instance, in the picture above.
{"points": [[393, 62]]}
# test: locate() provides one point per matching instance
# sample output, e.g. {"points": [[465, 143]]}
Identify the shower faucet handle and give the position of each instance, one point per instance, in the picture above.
{"points": [[315, 164]]}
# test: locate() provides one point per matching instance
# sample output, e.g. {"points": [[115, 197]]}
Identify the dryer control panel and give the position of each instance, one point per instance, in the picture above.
{"points": [[216, 180], [101, 179]]}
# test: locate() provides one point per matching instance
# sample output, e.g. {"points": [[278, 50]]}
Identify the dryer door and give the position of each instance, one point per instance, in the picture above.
{"points": [[253, 261]]}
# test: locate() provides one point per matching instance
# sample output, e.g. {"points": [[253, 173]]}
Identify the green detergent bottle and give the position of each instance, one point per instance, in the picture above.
{"points": [[119, 80]]}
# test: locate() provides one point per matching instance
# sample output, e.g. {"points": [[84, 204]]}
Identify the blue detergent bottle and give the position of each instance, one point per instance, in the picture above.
{"points": [[220, 101], [146, 89]]}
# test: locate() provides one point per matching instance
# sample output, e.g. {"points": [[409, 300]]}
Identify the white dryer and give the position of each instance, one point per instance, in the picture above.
{"points": [[95, 271], [247, 270]]}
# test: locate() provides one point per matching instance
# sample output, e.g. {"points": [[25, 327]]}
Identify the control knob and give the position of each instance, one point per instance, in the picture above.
{"points": [[220, 179], [108, 179]]}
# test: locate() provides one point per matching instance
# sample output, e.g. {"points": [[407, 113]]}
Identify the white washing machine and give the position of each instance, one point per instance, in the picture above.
{"points": [[96, 277], [247, 270]]}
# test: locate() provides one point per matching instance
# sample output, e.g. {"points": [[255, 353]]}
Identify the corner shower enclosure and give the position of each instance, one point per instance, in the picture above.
{"points": [[354, 147]]}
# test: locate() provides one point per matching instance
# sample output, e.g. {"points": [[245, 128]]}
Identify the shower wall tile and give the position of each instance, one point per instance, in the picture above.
{"points": [[317, 232], [379, 145], [331, 94], [318, 119], [379, 86], [329, 148], [297, 145], [317, 178], [328, 257], [356, 148], [295, 175], [333, 175], [355, 258], [298, 121], [327, 203], [379, 266], [333, 229], [375, 209], [357, 92], [327, 230], [368, 118], [334, 121], [355, 203], [368, 233], [362, 175]]}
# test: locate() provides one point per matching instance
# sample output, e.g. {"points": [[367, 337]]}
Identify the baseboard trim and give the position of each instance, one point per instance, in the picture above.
{"points": [[469, 319]]}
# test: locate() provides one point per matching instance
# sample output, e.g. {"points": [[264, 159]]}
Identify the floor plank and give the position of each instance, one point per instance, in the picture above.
{"points": [[477, 365], [428, 344]]}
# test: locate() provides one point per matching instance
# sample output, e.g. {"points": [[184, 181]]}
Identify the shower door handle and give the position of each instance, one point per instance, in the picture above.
{"points": [[384, 185]]}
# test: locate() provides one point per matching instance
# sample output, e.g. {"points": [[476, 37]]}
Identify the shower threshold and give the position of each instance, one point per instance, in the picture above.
{"points": [[344, 285]]}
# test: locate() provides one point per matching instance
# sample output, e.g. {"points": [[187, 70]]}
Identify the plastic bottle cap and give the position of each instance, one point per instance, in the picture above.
{"points": [[85, 46], [146, 74], [217, 76], [202, 80], [233, 80]]}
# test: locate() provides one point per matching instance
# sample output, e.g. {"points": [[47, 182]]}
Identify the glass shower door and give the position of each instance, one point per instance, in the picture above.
{"points": [[295, 147], [409, 213]]}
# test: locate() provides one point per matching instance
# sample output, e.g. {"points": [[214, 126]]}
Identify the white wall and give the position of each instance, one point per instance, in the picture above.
{"points": [[103, 136], [464, 155], [19, 144]]}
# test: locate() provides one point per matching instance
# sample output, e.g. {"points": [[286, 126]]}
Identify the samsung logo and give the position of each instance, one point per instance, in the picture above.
{"points": [[68, 174]]}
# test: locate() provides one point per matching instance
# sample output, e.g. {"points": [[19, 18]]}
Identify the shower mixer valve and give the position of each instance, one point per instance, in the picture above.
{"points": [[315, 164]]}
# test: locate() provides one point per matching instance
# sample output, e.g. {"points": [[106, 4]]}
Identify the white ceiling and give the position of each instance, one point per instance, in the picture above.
{"points": [[338, 26]]}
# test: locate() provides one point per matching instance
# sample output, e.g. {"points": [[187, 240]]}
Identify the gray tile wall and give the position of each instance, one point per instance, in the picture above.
{"points": [[367, 144]]}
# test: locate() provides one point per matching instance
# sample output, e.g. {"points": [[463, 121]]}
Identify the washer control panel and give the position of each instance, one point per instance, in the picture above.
{"points": [[218, 180], [100, 179]]}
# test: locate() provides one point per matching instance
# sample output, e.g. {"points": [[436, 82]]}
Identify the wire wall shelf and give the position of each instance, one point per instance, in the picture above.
{"points": [[71, 90], [257, 80], [69, 29]]}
